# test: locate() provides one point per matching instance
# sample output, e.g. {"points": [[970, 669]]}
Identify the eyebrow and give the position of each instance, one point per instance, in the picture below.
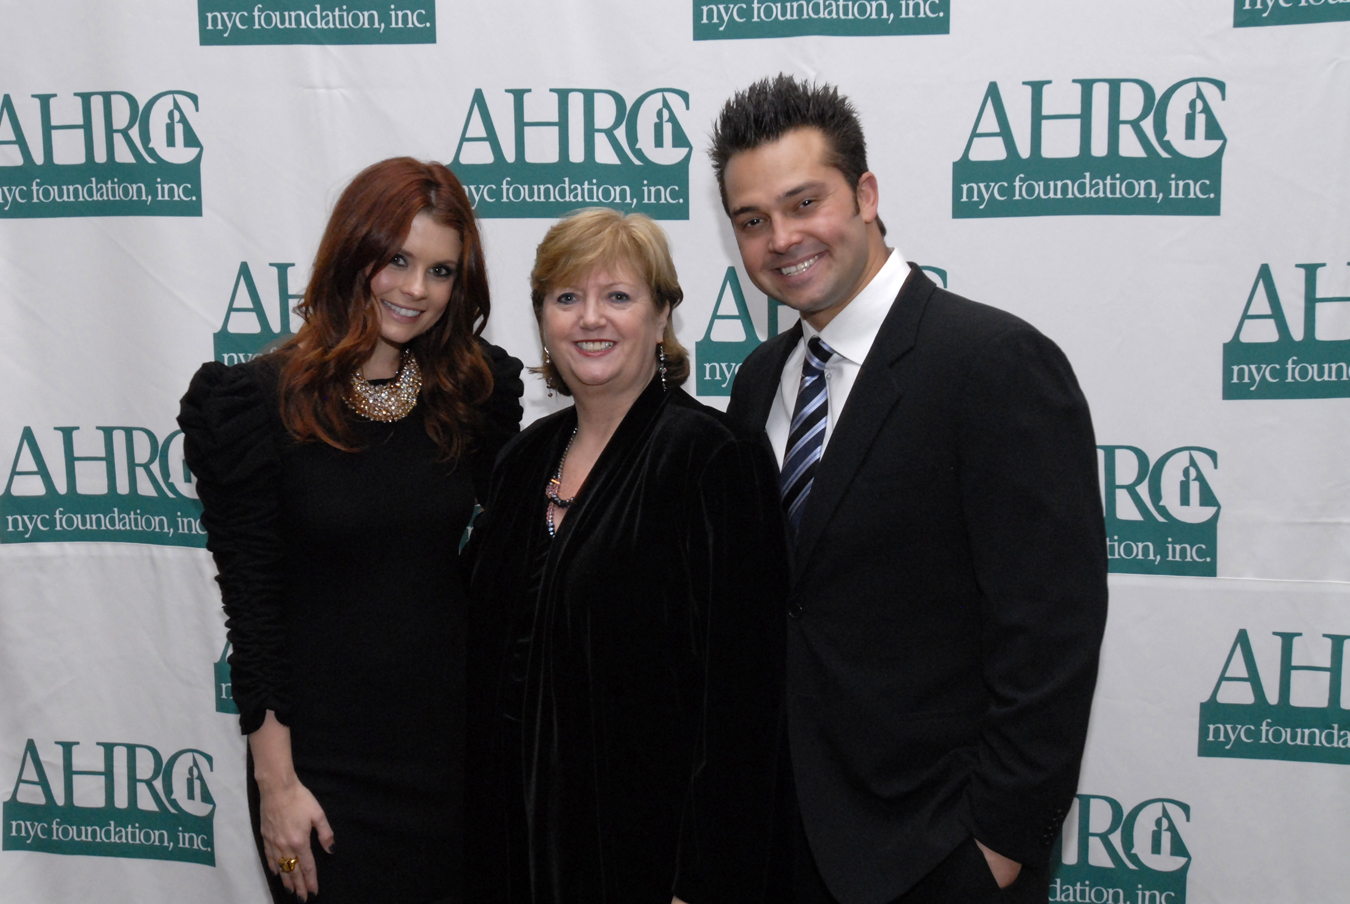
{"points": [[607, 287], [790, 193]]}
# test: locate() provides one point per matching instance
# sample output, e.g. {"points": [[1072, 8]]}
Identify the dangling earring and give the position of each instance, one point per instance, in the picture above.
{"points": [[548, 380], [661, 357]]}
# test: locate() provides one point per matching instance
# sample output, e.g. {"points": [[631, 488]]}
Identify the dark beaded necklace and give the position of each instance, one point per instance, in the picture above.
{"points": [[553, 490]]}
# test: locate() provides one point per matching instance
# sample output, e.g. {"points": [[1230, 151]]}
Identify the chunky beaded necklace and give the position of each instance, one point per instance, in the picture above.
{"points": [[553, 490], [388, 402]]}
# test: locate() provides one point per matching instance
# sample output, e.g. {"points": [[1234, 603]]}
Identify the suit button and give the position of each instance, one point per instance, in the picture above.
{"points": [[795, 610]]}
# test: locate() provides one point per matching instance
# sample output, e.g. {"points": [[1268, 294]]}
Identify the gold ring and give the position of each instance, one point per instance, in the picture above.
{"points": [[287, 864]]}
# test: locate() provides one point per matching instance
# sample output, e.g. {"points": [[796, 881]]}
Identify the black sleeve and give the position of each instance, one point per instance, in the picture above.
{"points": [[739, 579], [230, 445], [501, 415], [1034, 516]]}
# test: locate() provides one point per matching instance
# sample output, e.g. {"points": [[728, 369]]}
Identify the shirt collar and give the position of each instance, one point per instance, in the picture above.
{"points": [[851, 332]]}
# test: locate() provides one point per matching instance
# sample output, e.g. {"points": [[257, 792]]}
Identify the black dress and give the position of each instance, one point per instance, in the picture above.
{"points": [[340, 580], [626, 676]]}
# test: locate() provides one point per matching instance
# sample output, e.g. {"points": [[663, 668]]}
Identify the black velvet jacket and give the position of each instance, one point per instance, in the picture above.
{"points": [[626, 677]]}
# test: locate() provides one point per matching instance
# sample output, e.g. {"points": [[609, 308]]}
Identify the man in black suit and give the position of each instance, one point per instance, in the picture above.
{"points": [[949, 580]]}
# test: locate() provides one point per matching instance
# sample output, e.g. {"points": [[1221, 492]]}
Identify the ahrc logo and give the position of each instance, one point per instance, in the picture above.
{"points": [[233, 345], [1174, 165], [1174, 531], [128, 160], [238, 22], [629, 156], [1258, 729], [1257, 13], [730, 337], [1106, 855], [168, 812], [133, 492], [790, 18], [1263, 360]]}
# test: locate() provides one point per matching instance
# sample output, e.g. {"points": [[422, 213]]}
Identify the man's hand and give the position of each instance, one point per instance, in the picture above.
{"points": [[1005, 871]]}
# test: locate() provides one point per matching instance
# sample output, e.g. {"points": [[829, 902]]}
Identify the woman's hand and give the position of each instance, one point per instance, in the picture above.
{"points": [[288, 814], [288, 811]]}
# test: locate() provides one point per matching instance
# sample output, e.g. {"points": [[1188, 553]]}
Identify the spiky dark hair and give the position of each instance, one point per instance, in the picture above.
{"points": [[772, 107]]}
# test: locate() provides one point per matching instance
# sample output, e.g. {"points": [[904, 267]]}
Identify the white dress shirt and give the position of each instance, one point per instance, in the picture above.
{"points": [[851, 334]]}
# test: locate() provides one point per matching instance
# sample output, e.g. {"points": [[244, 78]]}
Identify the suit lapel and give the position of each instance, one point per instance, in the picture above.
{"points": [[762, 393], [879, 387]]}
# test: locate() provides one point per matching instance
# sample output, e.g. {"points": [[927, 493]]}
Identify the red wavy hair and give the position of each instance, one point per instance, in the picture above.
{"points": [[342, 320]]}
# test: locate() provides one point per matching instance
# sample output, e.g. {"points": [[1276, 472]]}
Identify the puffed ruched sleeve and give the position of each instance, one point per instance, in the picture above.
{"points": [[501, 415], [230, 443]]}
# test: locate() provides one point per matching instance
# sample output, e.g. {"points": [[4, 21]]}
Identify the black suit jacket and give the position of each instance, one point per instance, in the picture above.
{"points": [[948, 595]]}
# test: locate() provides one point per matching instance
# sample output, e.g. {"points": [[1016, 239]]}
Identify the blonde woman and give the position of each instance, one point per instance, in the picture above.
{"points": [[627, 623]]}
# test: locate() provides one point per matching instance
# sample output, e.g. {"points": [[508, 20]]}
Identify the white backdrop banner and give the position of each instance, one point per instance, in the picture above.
{"points": [[1160, 187]]}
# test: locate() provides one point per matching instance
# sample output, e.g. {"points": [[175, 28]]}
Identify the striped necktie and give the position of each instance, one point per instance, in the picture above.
{"points": [[806, 438]]}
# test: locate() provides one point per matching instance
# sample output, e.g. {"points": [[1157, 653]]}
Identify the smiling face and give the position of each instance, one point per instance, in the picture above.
{"points": [[805, 237], [601, 333], [413, 289]]}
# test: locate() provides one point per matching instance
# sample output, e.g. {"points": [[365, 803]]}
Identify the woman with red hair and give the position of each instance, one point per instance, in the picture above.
{"points": [[337, 476]]}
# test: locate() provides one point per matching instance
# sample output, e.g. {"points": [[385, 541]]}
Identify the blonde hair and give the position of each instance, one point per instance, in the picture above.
{"points": [[598, 237]]}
